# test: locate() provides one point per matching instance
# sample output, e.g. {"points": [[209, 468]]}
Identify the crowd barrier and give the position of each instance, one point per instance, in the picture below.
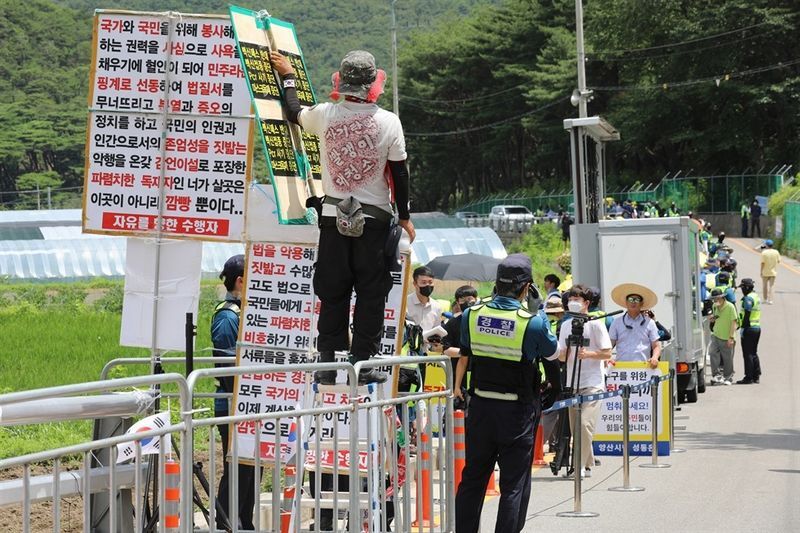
{"points": [[624, 392], [376, 456]]}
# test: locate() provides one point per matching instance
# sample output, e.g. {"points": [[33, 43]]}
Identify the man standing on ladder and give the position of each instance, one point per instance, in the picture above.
{"points": [[503, 341], [363, 162]]}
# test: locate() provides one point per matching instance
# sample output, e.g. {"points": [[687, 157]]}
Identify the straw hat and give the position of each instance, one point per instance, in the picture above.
{"points": [[621, 292], [553, 305]]}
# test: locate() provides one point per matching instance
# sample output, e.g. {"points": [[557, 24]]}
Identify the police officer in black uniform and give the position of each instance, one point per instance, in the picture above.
{"points": [[502, 340]]}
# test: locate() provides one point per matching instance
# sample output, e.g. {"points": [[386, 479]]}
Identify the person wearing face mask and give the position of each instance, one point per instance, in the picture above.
{"points": [[633, 333], [590, 378], [501, 341], [423, 310]]}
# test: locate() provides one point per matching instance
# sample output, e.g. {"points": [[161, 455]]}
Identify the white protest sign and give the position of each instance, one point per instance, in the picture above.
{"points": [[178, 292], [208, 142], [607, 439], [269, 393]]}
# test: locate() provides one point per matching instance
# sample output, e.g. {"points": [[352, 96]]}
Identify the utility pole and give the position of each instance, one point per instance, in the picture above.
{"points": [[395, 102], [583, 94]]}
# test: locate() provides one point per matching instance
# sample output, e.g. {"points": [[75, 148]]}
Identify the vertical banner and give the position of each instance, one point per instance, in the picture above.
{"points": [[278, 326], [608, 435], [142, 65], [293, 157]]}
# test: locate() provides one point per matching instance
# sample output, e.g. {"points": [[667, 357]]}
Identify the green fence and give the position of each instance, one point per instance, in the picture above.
{"points": [[709, 194], [791, 226]]}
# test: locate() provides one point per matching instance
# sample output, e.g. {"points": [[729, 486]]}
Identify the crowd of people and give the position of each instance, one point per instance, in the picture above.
{"points": [[521, 349]]}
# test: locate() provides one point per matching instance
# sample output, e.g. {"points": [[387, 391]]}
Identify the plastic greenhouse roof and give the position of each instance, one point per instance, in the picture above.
{"points": [[49, 246]]}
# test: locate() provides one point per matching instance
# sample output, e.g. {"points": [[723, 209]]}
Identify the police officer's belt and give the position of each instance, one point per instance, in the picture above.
{"points": [[491, 395], [371, 210]]}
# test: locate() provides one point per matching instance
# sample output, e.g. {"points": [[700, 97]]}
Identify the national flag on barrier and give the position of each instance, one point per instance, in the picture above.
{"points": [[150, 445]]}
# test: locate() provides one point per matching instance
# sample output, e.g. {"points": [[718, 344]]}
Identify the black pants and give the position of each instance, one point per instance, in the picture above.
{"points": [[499, 432], [752, 365], [744, 227], [755, 225], [247, 491], [344, 264]]}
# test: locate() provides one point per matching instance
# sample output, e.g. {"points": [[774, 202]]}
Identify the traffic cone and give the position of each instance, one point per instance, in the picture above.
{"points": [[538, 448], [172, 495], [459, 446], [288, 498], [424, 497], [491, 490]]}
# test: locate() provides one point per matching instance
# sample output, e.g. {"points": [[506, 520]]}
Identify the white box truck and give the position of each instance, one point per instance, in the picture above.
{"points": [[661, 254]]}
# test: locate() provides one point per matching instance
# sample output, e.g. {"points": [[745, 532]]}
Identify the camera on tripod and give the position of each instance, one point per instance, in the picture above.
{"points": [[575, 337]]}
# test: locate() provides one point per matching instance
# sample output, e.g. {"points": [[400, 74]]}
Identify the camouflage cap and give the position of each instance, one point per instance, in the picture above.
{"points": [[357, 73]]}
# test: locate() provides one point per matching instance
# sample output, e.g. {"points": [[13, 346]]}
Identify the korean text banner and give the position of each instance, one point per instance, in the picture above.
{"points": [[608, 435], [293, 157], [169, 130]]}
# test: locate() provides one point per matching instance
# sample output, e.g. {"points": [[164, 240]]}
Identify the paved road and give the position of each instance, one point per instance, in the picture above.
{"points": [[741, 469]]}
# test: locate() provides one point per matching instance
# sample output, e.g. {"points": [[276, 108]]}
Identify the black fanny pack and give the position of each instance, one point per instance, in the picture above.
{"points": [[392, 246]]}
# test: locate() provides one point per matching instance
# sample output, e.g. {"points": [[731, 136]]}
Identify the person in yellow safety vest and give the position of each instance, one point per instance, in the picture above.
{"points": [[744, 213], [502, 342], [750, 324], [673, 211]]}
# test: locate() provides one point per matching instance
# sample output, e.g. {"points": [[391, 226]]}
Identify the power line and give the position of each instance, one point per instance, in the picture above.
{"points": [[682, 52], [487, 126], [462, 100], [681, 43], [717, 79]]}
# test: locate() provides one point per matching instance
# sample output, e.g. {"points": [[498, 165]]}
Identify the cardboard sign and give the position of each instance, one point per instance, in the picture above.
{"points": [[144, 65], [608, 435]]}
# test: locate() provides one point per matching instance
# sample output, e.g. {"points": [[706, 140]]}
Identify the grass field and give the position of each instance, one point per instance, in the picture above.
{"points": [[58, 334]]}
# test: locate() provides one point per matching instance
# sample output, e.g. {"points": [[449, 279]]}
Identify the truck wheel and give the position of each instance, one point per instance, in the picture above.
{"points": [[701, 380]]}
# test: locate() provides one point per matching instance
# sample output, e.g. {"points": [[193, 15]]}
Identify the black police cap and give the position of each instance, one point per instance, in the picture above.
{"points": [[516, 268], [234, 267]]}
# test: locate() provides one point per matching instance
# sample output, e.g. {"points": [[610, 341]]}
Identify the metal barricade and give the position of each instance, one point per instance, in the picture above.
{"points": [[108, 478], [368, 479]]}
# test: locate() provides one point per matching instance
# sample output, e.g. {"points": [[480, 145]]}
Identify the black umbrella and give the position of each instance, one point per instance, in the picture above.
{"points": [[466, 267]]}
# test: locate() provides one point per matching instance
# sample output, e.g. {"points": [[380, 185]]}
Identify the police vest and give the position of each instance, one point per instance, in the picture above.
{"points": [[497, 333], [227, 304], [755, 312], [745, 212]]}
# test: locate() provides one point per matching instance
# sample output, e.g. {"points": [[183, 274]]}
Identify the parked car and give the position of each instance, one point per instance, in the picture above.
{"points": [[463, 215], [511, 213]]}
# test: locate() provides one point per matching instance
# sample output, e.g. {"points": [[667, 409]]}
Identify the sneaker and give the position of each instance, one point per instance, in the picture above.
{"points": [[745, 381], [372, 376], [586, 472], [717, 380], [325, 377], [597, 462], [727, 382]]}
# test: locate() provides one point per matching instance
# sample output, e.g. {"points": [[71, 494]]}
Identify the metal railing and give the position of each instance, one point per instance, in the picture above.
{"points": [[377, 462]]}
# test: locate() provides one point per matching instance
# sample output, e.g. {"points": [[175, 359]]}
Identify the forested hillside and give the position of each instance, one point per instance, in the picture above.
{"points": [[484, 85], [709, 86]]}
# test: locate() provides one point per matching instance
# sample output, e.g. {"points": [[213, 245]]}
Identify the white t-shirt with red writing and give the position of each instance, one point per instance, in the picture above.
{"points": [[356, 141]]}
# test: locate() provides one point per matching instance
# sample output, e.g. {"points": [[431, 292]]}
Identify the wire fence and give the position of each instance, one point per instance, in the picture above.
{"points": [[791, 225], [701, 194], [42, 199]]}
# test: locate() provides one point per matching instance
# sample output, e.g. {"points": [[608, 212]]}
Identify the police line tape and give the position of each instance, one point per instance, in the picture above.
{"points": [[584, 398]]}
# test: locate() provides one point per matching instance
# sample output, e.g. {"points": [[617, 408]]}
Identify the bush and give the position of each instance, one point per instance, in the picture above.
{"points": [[546, 249]]}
